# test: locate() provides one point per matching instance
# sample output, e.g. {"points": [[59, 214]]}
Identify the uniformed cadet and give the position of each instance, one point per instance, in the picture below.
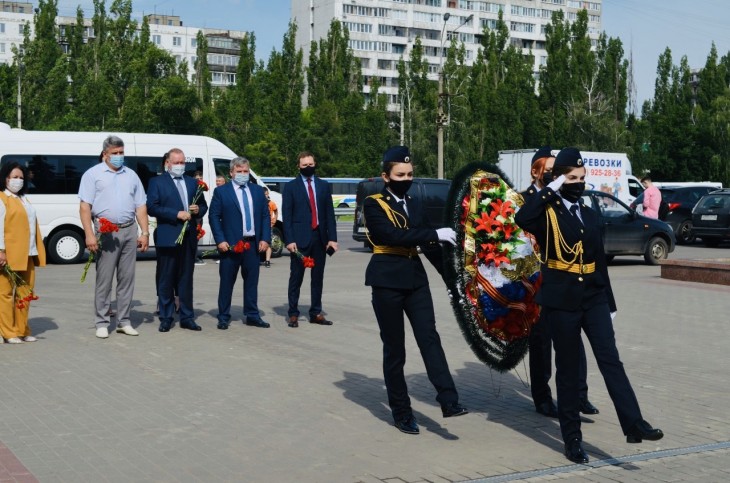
{"points": [[576, 294], [540, 343], [396, 226]]}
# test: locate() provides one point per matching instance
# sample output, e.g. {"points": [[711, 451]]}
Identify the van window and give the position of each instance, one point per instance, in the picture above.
{"points": [[61, 174], [635, 189]]}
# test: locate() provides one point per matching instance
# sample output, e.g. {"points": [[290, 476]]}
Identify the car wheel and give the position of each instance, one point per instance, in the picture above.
{"points": [[684, 233], [367, 245], [656, 250], [609, 258], [65, 247], [277, 242], [711, 242], [343, 205]]}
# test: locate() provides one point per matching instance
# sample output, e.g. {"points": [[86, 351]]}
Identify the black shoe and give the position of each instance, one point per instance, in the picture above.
{"points": [[574, 451], [642, 430], [407, 425], [453, 409], [587, 408], [190, 326], [165, 326], [267, 264], [547, 409], [223, 325], [257, 323]]}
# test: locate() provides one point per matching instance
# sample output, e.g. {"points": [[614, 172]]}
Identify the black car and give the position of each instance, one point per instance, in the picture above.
{"points": [[711, 217], [431, 192], [681, 200], [625, 232]]}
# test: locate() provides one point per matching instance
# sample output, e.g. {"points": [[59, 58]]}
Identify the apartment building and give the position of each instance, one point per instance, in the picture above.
{"points": [[384, 31], [166, 31]]}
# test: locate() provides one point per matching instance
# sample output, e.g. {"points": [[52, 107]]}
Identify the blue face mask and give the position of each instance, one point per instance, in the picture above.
{"points": [[241, 179], [116, 160]]}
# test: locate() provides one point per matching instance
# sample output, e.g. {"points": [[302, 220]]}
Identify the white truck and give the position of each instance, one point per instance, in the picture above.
{"points": [[607, 172]]}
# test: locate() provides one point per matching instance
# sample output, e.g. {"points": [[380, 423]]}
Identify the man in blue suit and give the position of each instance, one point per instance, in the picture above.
{"points": [[239, 217], [170, 200], [310, 228]]}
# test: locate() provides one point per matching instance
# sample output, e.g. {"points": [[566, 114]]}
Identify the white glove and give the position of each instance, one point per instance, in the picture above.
{"points": [[447, 235], [557, 183], [613, 315]]}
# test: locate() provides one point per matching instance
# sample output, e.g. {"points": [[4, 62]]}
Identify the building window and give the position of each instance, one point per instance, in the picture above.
{"points": [[2, 28], [2, 48], [193, 42], [176, 41], [21, 29], [156, 40]]}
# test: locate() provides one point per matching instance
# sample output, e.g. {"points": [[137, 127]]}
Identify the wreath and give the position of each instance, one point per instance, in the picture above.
{"points": [[493, 272]]}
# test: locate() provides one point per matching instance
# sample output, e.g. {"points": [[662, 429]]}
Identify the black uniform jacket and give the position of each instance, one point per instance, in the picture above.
{"points": [[561, 289], [398, 271]]}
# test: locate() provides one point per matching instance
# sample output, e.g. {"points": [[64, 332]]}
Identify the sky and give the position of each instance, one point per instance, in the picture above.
{"points": [[646, 27]]}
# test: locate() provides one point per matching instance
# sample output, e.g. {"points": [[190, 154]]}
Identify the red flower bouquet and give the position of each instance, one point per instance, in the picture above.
{"points": [[23, 294], [308, 262], [105, 226], [202, 188]]}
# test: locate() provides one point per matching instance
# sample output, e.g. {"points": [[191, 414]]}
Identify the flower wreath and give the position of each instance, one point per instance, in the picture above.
{"points": [[493, 272]]}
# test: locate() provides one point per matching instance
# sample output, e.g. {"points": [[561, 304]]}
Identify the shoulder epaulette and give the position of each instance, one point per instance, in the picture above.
{"points": [[376, 196]]}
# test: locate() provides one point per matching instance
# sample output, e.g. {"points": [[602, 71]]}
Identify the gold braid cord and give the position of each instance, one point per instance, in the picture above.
{"points": [[575, 250], [398, 220]]}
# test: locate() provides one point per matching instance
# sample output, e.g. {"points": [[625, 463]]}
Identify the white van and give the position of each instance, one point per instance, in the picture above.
{"points": [[56, 160]]}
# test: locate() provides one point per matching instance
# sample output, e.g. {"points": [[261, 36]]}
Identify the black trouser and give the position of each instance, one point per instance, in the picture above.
{"points": [[316, 250], [174, 273], [541, 366], [390, 305], [565, 328]]}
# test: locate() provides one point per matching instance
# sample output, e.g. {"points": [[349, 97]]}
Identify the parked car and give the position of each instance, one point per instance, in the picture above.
{"points": [[681, 200], [431, 192], [625, 232], [711, 217]]}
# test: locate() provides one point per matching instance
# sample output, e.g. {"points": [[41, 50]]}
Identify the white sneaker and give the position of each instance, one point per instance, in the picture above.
{"points": [[127, 329], [29, 338], [102, 332], [15, 340]]}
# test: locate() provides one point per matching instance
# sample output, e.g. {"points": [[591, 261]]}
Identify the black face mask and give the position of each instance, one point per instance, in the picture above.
{"points": [[572, 191], [307, 171], [400, 188], [547, 178]]}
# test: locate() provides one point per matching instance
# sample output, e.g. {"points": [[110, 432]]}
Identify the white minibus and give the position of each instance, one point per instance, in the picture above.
{"points": [[56, 160]]}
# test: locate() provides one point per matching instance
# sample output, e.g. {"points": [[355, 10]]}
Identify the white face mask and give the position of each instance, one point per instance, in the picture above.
{"points": [[177, 170], [15, 184], [241, 178]]}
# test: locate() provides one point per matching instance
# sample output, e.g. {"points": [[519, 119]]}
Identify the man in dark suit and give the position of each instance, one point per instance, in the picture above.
{"points": [[309, 228], [576, 295], [239, 220], [170, 200]]}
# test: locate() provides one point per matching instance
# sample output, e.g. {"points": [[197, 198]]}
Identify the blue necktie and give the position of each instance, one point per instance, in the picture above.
{"points": [[246, 215], [181, 191]]}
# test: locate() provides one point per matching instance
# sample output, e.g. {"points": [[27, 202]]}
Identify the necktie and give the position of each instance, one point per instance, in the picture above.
{"points": [[312, 203], [246, 214], [181, 191], [574, 210], [402, 204]]}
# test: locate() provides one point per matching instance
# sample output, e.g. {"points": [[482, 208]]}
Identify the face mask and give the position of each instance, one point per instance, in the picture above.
{"points": [[400, 188], [307, 171], [547, 178], [572, 191], [177, 170], [241, 179], [116, 160], [14, 185]]}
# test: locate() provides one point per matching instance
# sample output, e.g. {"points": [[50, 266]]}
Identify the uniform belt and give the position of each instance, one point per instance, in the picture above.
{"points": [[402, 251], [572, 267], [126, 225]]}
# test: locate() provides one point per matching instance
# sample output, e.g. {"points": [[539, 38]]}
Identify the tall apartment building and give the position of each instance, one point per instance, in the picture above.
{"points": [[167, 32], [384, 31]]}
